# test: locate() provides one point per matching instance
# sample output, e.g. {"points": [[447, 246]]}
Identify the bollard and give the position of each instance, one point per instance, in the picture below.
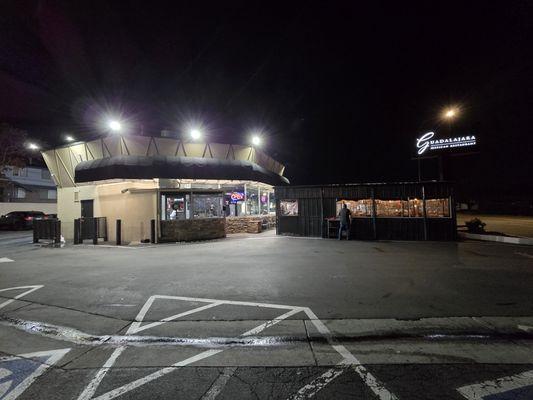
{"points": [[118, 232], [152, 230], [77, 232], [95, 230], [57, 232], [35, 232]]}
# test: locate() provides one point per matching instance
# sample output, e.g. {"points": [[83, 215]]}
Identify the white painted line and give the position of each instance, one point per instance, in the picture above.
{"points": [[349, 359], [32, 288], [89, 390], [317, 384], [525, 328], [219, 383], [237, 303], [142, 381], [270, 323], [136, 326], [479, 390], [54, 357], [5, 260]]}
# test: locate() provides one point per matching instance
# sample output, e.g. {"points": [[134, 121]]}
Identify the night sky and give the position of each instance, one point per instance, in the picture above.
{"points": [[340, 89]]}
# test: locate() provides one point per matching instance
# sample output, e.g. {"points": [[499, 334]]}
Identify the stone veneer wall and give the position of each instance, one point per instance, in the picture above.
{"points": [[248, 224], [193, 229]]}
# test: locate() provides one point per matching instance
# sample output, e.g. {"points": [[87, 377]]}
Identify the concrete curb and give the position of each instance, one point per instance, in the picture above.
{"points": [[495, 238]]}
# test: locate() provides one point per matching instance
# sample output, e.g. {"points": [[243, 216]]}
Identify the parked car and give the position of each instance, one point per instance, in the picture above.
{"points": [[20, 219]]}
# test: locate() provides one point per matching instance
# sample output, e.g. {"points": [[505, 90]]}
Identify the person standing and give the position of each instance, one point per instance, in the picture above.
{"points": [[345, 219]]}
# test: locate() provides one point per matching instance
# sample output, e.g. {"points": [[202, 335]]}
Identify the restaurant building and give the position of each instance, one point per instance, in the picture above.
{"points": [[192, 190], [386, 211]]}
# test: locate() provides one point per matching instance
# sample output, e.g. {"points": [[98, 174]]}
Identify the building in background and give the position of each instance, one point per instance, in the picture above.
{"points": [[27, 189], [192, 190]]}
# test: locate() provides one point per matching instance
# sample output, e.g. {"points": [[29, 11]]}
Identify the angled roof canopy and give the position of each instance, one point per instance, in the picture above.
{"points": [[144, 157]]}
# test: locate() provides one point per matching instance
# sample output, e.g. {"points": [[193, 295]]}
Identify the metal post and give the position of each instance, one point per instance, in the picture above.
{"points": [[35, 232], [152, 230], [76, 231], [95, 230], [424, 212], [374, 222], [57, 232], [119, 232]]}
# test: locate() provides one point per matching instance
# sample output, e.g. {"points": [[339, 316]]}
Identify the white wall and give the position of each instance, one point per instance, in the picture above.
{"points": [[47, 208], [136, 206]]}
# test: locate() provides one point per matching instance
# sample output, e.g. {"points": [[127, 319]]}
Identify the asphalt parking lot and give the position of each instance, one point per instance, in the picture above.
{"points": [[266, 317]]}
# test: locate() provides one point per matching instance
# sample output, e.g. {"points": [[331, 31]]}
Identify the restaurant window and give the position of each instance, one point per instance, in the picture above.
{"points": [[175, 206], [358, 208], [271, 203], [410, 208], [289, 208], [252, 200], [390, 208], [263, 201], [438, 208], [415, 208], [207, 205]]}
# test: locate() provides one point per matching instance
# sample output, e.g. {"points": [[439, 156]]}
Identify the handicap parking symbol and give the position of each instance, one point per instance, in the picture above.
{"points": [[17, 373]]}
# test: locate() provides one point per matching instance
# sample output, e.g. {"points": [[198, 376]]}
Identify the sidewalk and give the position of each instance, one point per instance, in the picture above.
{"points": [[508, 224]]}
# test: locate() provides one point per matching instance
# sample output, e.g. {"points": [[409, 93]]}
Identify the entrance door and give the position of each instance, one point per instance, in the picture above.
{"points": [[87, 209]]}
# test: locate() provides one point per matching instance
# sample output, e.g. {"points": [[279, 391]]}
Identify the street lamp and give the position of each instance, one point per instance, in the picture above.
{"points": [[256, 140], [33, 146], [195, 134], [450, 113], [69, 138], [114, 125]]}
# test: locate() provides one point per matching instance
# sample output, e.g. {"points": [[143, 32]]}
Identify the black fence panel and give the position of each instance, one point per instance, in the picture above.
{"points": [[90, 228], [288, 225], [362, 229], [47, 229], [441, 229], [400, 228]]}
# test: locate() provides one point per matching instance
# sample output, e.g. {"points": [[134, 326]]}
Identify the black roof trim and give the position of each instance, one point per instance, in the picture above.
{"points": [[168, 167]]}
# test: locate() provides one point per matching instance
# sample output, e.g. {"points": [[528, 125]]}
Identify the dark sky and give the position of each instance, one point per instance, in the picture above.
{"points": [[341, 89]]}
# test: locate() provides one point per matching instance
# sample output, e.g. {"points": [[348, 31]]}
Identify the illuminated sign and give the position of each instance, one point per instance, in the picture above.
{"points": [[426, 142], [237, 196]]}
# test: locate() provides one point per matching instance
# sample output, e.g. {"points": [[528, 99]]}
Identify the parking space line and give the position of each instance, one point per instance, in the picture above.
{"points": [[164, 371], [97, 379], [136, 326], [317, 384], [219, 383], [272, 322], [32, 288], [504, 384], [349, 359]]}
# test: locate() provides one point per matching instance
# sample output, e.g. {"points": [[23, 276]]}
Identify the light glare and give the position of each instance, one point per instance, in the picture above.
{"points": [[115, 125], [69, 138], [195, 134], [256, 140], [450, 113], [33, 146]]}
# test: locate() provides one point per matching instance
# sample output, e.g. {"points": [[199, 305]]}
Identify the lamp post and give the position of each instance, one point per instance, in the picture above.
{"points": [[449, 115]]}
